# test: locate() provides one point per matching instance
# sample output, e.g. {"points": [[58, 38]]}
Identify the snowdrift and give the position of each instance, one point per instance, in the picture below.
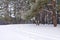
{"points": [[29, 32]]}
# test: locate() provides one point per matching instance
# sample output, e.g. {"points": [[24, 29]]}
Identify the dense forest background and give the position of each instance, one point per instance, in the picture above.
{"points": [[25, 11]]}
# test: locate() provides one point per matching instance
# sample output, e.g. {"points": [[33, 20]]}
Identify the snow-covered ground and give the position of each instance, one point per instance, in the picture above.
{"points": [[29, 32]]}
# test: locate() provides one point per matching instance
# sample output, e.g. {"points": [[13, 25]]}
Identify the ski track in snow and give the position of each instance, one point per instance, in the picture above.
{"points": [[29, 32]]}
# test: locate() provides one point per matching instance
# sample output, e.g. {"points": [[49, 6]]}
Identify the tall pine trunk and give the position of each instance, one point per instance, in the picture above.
{"points": [[54, 19]]}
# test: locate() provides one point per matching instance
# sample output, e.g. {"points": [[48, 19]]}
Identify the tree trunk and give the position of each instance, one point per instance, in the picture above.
{"points": [[54, 13], [54, 21]]}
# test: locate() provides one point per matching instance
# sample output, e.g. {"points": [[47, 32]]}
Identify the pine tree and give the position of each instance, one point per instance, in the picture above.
{"points": [[38, 6]]}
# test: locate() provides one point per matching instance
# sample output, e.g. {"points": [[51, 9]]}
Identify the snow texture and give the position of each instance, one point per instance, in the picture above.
{"points": [[29, 32]]}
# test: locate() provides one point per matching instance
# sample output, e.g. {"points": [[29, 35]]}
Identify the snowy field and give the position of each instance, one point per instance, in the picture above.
{"points": [[29, 32]]}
